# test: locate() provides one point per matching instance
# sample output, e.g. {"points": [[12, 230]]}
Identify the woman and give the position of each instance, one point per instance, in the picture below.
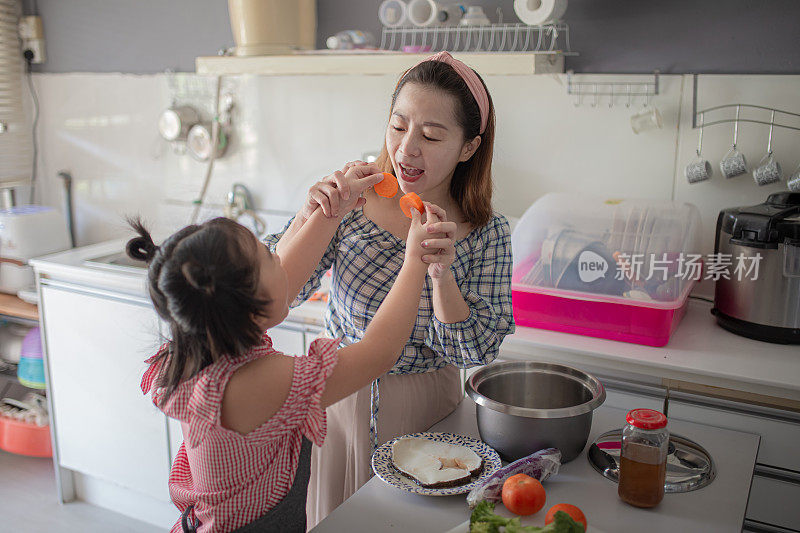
{"points": [[439, 143]]}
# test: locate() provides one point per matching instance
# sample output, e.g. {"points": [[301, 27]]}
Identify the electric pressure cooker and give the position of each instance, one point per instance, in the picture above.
{"points": [[764, 303]]}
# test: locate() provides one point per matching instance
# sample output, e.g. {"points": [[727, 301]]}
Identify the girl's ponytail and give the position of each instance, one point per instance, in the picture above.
{"points": [[141, 248]]}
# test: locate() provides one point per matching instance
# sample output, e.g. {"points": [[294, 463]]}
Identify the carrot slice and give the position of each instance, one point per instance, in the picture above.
{"points": [[410, 200], [387, 187]]}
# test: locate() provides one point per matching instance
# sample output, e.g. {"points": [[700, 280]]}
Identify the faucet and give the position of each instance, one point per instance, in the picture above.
{"points": [[240, 202]]}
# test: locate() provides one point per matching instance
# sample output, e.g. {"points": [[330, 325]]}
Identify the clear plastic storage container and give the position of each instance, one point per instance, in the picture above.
{"points": [[610, 268]]}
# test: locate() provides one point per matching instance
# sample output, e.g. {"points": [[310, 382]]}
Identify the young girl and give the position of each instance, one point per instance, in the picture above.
{"points": [[248, 412], [439, 142]]}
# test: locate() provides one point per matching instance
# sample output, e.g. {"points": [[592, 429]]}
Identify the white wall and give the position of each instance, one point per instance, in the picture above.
{"points": [[290, 131]]}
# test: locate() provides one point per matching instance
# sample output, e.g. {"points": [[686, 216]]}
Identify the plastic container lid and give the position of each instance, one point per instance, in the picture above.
{"points": [[646, 419], [637, 252]]}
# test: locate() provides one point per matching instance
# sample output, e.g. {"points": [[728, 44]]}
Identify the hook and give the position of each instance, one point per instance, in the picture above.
{"points": [[630, 97], [700, 141], [611, 101], [736, 127], [594, 103], [771, 125]]}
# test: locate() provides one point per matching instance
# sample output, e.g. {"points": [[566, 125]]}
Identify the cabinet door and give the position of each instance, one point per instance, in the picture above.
{"points": [[105, 427], [773, 501], [780, 431]]}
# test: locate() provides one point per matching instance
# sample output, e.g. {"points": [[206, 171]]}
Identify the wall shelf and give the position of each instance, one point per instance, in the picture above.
{"points": [[12, 306], [320, 62]]}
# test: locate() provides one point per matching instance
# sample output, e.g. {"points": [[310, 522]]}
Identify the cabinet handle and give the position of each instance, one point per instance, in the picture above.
{"points": [[631, 387], [737, 407], [779, 474], [99, 293], [760, 527]]}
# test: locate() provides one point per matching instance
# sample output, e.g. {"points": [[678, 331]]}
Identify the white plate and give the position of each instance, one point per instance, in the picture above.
{"points": [[383, 468]]}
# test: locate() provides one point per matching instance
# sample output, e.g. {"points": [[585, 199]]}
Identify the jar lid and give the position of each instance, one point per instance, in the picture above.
{"points": [[646, 419]]}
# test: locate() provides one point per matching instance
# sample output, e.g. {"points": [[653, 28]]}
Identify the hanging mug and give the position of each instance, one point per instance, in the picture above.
{"points": [[768, 172], [734, 163], [794, 181], [699, 169]]}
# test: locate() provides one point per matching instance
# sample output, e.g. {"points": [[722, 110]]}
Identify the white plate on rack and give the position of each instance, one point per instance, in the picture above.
{"points": [[383, 468]]}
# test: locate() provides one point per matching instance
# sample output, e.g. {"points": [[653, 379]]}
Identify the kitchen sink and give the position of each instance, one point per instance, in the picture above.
{"points": [[117, 261]]}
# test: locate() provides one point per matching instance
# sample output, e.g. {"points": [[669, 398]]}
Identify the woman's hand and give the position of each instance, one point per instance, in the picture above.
{"points": [[339, 193], [417, 234], [440, 241]]}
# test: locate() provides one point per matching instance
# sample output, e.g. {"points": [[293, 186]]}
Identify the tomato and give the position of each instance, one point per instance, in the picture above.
{"points": [[523, 495], [571, 510]]}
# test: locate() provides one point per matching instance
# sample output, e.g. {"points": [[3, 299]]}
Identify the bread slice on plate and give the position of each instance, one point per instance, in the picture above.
{"points": [[435, 465]]}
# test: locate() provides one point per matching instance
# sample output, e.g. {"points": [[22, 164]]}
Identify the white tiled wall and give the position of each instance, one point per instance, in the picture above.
{"points": [[290, 131]]}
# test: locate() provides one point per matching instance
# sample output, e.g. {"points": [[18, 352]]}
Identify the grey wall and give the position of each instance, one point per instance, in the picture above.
{"points": [[614, 36]]}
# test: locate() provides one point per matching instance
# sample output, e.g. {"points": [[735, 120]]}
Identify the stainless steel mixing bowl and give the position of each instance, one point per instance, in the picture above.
{"points": [[523, 407]]}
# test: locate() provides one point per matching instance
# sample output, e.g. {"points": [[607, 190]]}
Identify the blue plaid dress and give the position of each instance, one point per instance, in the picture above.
{"points": [[365, 260]]}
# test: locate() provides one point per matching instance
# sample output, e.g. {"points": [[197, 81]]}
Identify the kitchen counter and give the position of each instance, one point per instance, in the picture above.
{"points": [[719, 506], [699, 352]]}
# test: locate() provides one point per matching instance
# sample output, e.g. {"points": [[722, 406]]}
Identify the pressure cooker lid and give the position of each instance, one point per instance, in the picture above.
{"points": [[774, 221]]}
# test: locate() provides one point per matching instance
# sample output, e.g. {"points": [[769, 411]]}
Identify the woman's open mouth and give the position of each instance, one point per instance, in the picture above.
{"points": [[410, 174]]}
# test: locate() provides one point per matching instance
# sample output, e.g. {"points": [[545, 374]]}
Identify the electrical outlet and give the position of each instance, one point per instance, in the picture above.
{"points": [[32, 35]]}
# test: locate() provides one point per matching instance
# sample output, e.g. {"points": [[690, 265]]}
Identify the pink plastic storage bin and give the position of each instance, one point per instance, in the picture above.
{"points": [[607, 319], [614, 269]]}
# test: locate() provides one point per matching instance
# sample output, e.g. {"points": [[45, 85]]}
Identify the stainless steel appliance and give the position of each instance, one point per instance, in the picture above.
{"points": [[764, 306]]}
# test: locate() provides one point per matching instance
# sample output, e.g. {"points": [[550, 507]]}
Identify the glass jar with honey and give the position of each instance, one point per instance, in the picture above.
{"points": [[643, 458]]}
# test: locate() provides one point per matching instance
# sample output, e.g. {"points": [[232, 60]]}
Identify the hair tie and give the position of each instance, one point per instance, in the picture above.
{"points": [[471, 79]]}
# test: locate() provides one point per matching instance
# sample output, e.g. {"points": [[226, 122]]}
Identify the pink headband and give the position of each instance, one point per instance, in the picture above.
{"points": [[471, 79]]}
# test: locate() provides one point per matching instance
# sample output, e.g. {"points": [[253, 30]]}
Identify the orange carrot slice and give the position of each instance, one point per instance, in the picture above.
{"points": [[387, 187], [410, 200]]}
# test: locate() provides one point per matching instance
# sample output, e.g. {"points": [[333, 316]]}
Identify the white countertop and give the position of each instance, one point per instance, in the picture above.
{"points": [[698, 352], [718, 507]]}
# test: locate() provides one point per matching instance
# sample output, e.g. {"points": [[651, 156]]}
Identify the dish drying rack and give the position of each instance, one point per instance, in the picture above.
{"points": [[639, 233], [550, 38]]}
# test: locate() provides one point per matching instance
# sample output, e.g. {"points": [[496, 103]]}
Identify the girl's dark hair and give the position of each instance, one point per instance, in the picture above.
{"points": [[202, 281], [471, 186]]}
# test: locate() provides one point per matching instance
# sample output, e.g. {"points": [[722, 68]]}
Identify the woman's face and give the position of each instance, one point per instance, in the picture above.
{"points": [[424, 141]]}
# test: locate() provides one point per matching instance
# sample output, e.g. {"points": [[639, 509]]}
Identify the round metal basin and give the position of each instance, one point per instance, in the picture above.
{"points": [[523, 407]]}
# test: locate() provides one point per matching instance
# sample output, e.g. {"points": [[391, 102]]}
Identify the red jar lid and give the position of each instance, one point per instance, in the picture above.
{"points": [[646, 419]]}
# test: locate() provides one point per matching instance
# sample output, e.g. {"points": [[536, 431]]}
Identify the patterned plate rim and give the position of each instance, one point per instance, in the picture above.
{"points": [[389, 475]]}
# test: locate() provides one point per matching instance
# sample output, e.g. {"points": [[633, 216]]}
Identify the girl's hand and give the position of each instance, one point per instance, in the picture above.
{"points": [[347, 166], [338, 193], [440, 241]]}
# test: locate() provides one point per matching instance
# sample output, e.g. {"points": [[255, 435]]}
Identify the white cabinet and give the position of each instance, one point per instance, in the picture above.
{"points": [[779, 430], [105, 427]]}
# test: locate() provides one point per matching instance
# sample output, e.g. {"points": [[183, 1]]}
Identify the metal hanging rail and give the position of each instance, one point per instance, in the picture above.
{"points": [[613, 89], [737, 107]]}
